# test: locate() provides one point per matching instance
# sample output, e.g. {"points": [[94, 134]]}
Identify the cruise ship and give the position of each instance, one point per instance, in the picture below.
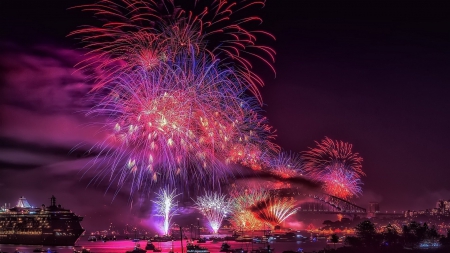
{"points": [[46, 225]]}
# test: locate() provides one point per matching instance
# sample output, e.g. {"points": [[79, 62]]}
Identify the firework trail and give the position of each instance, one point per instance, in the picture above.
{"points": [[144, 33], [166, 206], [334, 163], [178, 123], [241, 215], [215, 207], [274, 209]]}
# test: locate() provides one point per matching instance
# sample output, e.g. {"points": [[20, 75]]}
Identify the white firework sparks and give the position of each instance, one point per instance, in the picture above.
{"points": [[167, 208], [215, 207]]}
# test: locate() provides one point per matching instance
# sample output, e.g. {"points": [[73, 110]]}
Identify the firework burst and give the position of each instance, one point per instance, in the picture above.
{"points": [[286, 165], [179, 122], [215, 207], [166, 206], [144, 33], [334, 163], [341, 183]]}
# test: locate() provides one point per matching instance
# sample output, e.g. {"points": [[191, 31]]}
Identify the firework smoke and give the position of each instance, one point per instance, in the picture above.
{"points": [[215, 207], [166, 206]]}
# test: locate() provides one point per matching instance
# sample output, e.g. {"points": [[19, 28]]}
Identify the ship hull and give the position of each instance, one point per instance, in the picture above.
{"points": [[27, 225], [47, 240]]}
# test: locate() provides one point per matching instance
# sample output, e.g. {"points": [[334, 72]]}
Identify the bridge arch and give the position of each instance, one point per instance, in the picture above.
{"points": [[327, 203]]}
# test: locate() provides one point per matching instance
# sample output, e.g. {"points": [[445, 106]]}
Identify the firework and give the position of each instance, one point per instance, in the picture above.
{"points": [[286, 165], [166, 206], [144, 33], [175, 101], [241, 216], [178, 123], [274, 209], [215, 207], [341, 183], [334, 163]]}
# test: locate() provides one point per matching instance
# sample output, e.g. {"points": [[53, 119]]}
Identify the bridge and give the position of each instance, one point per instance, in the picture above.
{"points": [[323, 203]]}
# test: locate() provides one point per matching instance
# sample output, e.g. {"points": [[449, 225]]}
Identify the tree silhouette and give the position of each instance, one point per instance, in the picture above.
{"points": [[414, 233], [390, 235], [366, 232], [334, 239]]}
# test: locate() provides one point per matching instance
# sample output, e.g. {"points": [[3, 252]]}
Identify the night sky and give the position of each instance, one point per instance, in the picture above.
{"points": [[372, 73]]}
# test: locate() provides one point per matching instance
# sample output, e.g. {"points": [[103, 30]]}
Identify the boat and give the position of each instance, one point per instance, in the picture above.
{"points": [[201, 240], [45, 225], [162, 239], [196, 249], [150, 245], [225, 247], [244, 239], [260, 239], [230, 238], [92, 238]]}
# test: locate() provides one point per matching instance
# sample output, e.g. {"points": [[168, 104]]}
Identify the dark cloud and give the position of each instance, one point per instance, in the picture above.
{"points": [[41, 78]]}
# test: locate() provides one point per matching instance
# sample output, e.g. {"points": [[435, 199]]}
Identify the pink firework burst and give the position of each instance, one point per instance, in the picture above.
{"points": [[179, 123], [334, 164], [341, 183]]}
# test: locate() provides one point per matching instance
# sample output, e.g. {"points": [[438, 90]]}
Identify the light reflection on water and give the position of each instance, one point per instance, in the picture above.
{"points": [[125, 245]]}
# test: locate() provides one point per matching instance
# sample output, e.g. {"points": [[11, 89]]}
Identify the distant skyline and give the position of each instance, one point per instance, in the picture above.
{"points": [[372, 73]]}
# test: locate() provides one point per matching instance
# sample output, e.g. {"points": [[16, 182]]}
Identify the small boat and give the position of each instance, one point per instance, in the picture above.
{"points": [[150, 246], [92, 238], [225, 247], [244, 239], [161, 239], [196, 249]]}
